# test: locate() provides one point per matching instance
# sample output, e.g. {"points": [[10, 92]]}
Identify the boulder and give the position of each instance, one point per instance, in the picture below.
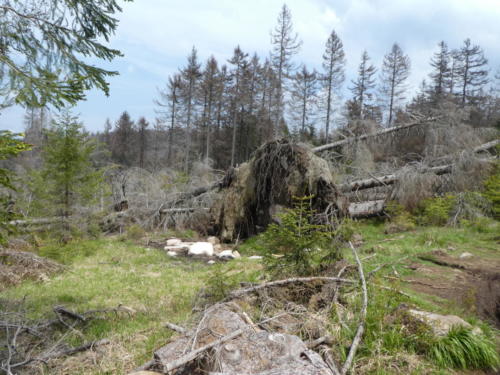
{"points": [[226, 254], [174, 242], [201, 248], [236, 254], [213, 240], [171, 253], [465, 255], [440, 324]]}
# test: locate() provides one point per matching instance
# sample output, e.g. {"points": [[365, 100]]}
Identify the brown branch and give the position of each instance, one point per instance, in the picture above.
{"points": [[241, 292], [361, 328]]}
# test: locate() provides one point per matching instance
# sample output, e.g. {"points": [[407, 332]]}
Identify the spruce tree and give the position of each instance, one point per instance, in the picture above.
{"points": [[363, 86], [395, 71], [441, 73], [69, 175], [333, 76], [472, 71], [286, 44]]}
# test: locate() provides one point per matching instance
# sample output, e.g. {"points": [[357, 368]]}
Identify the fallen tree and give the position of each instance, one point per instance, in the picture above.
{"points": [[393, 129], [391, 179], [279, 171]]}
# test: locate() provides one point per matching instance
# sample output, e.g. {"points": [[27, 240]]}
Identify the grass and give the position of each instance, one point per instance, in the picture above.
{"points": [[462, 349], [107, 272]]}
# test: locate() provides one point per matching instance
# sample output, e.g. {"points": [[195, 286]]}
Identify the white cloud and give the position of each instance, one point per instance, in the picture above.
{"points": [[157, 35]]}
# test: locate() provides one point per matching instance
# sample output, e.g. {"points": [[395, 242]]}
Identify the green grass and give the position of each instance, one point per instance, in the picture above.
{"points": [[107, 272], [463, 349]]}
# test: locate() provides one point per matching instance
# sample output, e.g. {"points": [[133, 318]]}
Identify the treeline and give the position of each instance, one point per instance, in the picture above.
{"points": [[221, 112]]}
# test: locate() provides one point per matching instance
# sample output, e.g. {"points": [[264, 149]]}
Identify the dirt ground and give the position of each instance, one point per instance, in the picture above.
{"points": [[472, 283]]}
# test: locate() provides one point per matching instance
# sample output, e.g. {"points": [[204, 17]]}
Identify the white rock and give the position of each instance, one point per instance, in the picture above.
{"points": [[228, 254], [256, 257], [465, 256], [213, 240], [171, 253], [201, 248], [211, 262], [174, 242], [236, 254], [440, 324]]}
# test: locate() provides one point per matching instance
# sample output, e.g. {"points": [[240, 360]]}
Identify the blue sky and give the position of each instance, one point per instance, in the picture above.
{"points": [[156, 36]]}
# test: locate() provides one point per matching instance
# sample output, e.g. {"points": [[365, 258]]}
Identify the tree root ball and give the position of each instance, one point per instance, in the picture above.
{"points": [[279, 171]]}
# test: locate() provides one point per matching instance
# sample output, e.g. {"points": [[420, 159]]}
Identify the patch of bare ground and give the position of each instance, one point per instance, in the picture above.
{"points": [[473, 283]]}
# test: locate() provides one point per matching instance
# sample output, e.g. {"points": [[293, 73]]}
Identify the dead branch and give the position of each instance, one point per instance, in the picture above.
{"points": [[378, 268], [359, 333], [195, 353], [327, 339], [241, 292], [175, 327]]}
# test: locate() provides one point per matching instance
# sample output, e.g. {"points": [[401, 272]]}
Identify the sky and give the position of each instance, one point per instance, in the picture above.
{"points": [[156, 36]]}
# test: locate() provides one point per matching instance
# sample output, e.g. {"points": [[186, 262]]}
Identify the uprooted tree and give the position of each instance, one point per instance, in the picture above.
{"points": [[255, 192]]}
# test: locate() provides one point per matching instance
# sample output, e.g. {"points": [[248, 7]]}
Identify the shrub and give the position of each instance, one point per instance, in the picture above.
{"points": [[135, 232], [298, 245], [492, 190], [400, 219], [463, 349], [436, 211]]}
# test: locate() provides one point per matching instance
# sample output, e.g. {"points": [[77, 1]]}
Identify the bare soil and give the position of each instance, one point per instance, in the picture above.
{"points": [[472, 283]]}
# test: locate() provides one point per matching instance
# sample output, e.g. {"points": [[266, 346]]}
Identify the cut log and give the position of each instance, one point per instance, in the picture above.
{"points": [[329, 146], [366, 209]]}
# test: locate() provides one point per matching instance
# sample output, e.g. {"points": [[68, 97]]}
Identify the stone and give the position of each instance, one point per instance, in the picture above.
{"points": [[226, 254], [201, 248], [211, 262], [440, 324], [213, 240], [171, 253], [255, 257], [174, 242], [236, 254], [465, 255], [217, 248]]}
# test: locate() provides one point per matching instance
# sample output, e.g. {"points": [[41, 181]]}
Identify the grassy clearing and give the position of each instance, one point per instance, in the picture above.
{"points": [[107, 272], [111, 271]]}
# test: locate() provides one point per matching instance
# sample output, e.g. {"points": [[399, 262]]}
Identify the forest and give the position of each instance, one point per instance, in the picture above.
{"points": [[272, 218]]}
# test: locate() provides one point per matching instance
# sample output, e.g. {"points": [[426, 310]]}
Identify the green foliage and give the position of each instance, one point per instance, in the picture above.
{"points": [[135, 232], [400, 219], [297, 245], [436, 211], [10, 147], [46, 46], [68, 173], [492, 190], [463, 349]]}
